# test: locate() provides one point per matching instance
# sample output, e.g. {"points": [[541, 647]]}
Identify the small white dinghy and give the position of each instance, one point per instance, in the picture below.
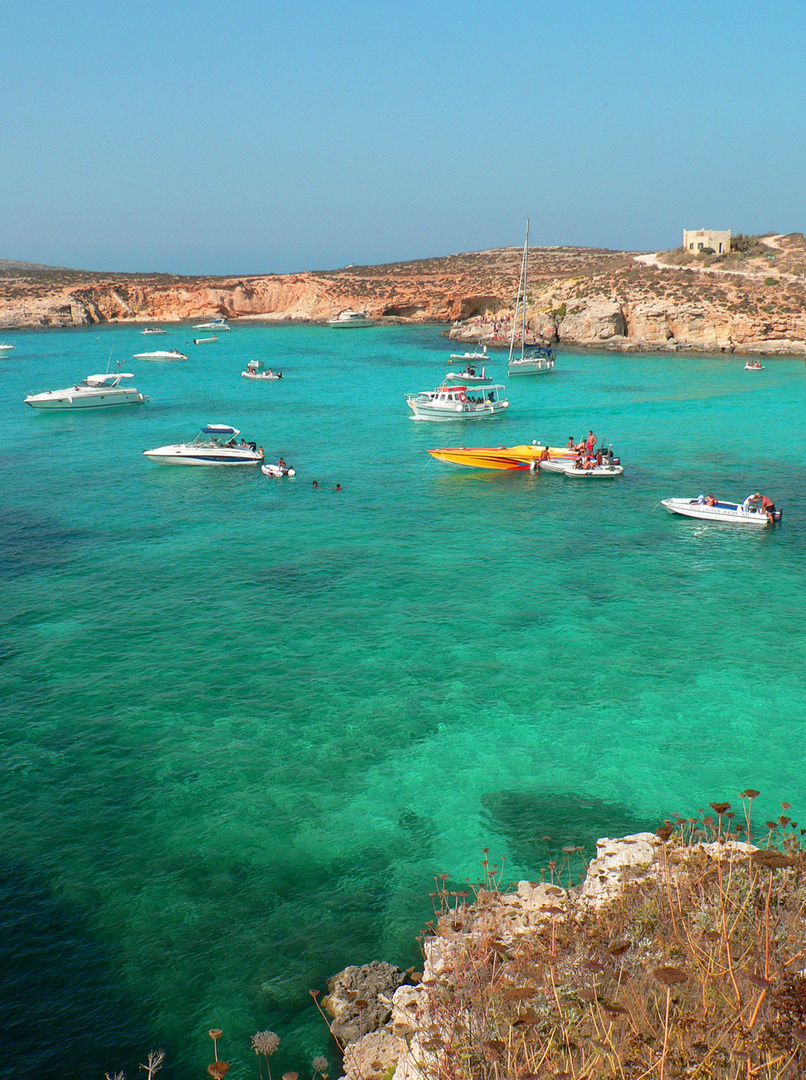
{"points": [[469, 375], [727, 513], [256, 369], [594, 472], [269, 469], [204, 340]]}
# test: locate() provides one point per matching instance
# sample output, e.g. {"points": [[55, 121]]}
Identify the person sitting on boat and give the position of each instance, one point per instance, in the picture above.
{"points": [[570, 445], [598, 457], [282, 465], [710, 500], [545, 455]]}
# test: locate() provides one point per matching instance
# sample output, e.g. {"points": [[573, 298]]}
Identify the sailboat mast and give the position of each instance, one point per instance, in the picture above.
{"points": [[525, 272], [521, 289]]}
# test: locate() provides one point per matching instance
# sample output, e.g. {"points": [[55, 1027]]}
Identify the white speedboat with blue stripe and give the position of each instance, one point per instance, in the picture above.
{"points": [[216, 444], [726, 513]]}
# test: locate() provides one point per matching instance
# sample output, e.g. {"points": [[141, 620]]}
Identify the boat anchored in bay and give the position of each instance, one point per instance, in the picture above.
{"points": [[94, 392], [214, 445], [448, 403]]}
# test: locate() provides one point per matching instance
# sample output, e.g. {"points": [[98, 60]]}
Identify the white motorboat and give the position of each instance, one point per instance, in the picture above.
{"points": [[458, 403], [256, 369], [280, 469], [471, 357], [214, 324], [469, 375], [94, 392], [161, 354], [204, 340], [153, 330], [7, 348], [727, 513], [214, 445], [346, 320], [537, 359]]}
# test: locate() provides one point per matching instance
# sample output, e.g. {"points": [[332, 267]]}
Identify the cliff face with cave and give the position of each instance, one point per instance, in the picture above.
{"points": [[576, 296]]}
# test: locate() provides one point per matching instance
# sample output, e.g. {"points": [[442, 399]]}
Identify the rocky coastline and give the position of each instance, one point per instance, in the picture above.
{"points": [[588, 298]]}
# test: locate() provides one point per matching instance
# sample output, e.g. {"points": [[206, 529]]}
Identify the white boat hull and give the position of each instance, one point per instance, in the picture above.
{"points": [[184, 454], [275, 470], [535, 366], [558, 465], [725, 513], [63, 400], [160, 355], [451, 413], [597, 472], [7, 348], [260, 376]]}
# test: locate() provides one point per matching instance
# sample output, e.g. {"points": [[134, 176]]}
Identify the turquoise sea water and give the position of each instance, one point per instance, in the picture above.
{"points": [[245, 722]]}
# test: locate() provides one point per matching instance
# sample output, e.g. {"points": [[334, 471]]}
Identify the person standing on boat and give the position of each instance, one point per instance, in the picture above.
{"points": [[768, 508], [590, 443]]}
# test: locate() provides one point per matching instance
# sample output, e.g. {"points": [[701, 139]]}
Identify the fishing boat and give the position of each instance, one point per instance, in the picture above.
{"points": [[726, 513], [347, 320], [448, 403], [204, 340], [161, 354], [256, 369], [469, 375], [537, 359], [214, 445], [527, 456], [94, 392], [153, 330]]}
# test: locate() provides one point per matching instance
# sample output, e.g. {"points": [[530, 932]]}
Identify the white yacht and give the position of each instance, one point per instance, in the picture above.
{"points": [[216, 444], [458, 403], [95, 392], [161, 354], [214, 324], [347, 319], [153, 330], [7, 348]]}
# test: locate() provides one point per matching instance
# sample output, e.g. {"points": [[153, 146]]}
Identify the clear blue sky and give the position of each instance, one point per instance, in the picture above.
{"points": [[272, 137]]}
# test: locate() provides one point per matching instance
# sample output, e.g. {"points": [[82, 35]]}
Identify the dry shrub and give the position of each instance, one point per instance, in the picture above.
{"points": [[699, 971]]}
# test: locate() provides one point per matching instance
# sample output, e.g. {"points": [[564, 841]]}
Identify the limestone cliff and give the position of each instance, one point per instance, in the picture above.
{"points": [[577, 296]]}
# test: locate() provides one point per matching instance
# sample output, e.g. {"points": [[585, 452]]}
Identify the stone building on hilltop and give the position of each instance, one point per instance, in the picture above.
{"points": [[702, 239]]}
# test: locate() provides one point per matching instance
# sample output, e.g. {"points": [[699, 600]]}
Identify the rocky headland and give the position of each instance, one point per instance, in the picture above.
{"points": [[681, 954], [751, 301]]}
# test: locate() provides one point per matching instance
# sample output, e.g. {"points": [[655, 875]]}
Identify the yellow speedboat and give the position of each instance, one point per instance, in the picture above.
{"points": [[501, 457]]}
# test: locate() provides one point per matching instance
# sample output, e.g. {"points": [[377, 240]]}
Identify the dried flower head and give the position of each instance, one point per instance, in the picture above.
{"points": [[290, 1076], [719, 807], [670, 976], [265, 1042], [320, 1063], [749, 794], [218, 1069]]}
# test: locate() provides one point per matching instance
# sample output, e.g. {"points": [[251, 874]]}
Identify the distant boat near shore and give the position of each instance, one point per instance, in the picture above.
{"points": [[347, 320]]}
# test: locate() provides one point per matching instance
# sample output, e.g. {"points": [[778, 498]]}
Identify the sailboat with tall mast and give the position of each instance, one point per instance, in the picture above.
{"points": [[538, 359]]}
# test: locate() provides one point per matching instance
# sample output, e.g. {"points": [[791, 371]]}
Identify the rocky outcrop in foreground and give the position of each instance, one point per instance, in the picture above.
{"points": [[591, 972]]}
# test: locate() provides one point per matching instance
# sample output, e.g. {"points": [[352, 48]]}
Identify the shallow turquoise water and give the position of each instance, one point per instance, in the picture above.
{"points": [[245, 722]]}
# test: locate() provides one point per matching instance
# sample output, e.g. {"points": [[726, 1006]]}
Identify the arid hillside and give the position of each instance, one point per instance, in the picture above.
{"points": [[752, 300]]}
